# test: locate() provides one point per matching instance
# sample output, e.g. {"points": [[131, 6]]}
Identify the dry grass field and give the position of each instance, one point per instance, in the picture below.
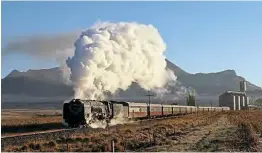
{"points": [[28, 120], [10, 114], [210, 131]]}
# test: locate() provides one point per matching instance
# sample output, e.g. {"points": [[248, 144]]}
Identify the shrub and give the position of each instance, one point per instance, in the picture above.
{"points": [[130, 144], [34, 146], [52, 144], [86, 140], [95, 148], [59, 141], [24, 148], [70, 140], [119, 148], [79, 139]]}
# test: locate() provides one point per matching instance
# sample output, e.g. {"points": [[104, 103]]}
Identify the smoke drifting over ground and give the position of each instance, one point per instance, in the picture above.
{"points": [[118, 119], [110, 56]]}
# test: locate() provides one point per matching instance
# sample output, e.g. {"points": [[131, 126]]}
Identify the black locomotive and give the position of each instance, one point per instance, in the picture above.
{"points": [[77, 113]]}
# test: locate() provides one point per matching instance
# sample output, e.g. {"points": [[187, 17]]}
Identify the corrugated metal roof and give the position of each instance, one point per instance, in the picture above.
{"points": [[235, 93]]}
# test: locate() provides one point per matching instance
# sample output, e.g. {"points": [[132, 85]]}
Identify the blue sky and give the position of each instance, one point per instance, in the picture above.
{"points": [[200, 36]]}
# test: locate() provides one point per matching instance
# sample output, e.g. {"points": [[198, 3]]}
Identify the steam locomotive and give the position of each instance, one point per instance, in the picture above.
{"points": [[78, 113]]}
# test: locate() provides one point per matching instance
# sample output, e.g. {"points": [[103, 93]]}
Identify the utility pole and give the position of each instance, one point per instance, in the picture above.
{"points": [[186, 100], [149, 102], [196, 102], [211, 105]]}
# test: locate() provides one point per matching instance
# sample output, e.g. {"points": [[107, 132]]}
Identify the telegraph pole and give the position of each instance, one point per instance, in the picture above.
{"points": [[187, 101], [113, 146], [149, 102], [211, 105]]}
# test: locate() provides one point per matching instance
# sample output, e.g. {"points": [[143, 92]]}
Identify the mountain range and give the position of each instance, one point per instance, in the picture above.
{"points": [[49, 83]]}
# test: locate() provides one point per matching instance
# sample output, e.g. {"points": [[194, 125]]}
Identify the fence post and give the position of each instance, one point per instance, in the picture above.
{"points": [[112, 146], [197, 111], [35, 137], [154, 137], [82, 145]]}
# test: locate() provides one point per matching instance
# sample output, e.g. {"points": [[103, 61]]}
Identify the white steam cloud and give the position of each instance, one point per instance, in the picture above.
{"points": [[110, 56]]}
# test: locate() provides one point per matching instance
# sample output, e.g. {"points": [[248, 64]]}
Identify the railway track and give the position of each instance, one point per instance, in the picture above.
{"points": [[31, 133], [57, 130], [37, 136], [17, 139]]}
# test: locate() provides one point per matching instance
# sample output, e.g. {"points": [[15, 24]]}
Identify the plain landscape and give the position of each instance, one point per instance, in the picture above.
{"points": [[25, 111], [210, 131], [131, 77]]}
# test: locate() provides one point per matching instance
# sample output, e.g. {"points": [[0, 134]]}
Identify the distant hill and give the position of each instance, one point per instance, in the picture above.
{"points": [[48, 83], [211, 83], [39, 83]]}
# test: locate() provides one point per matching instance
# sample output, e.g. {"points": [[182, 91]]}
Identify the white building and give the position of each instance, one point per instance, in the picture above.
{"points": [[234, 99]]}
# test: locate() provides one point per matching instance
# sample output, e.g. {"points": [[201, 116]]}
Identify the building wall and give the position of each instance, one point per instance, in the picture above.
{"points": [[226, 100], [245, 102], [234, 101]]}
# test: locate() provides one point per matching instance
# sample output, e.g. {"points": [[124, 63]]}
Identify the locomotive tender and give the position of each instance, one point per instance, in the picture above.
{"points": [[77, 112]]}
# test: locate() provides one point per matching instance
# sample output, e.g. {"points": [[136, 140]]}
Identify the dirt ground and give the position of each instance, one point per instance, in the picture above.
{"points": [[210, 131], [206, 138]]}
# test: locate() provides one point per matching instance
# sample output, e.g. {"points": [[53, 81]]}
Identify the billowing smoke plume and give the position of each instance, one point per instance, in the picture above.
{"points": [[110, 56], [163, 91]]}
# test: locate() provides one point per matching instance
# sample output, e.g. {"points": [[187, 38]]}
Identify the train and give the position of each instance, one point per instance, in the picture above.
{"points": [[81, 113]]}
